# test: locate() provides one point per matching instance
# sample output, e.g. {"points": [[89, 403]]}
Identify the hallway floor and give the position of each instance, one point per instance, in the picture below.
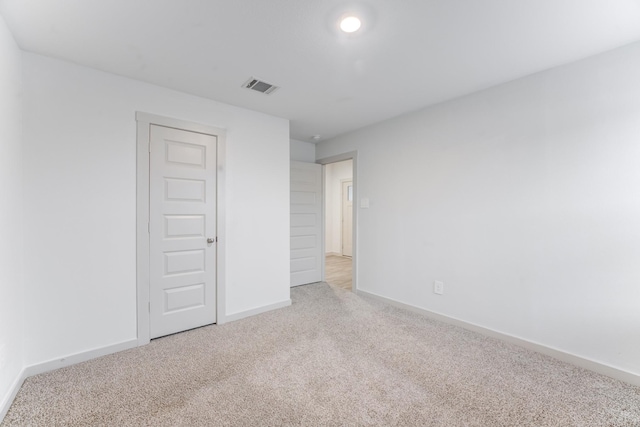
{"points": [[338, 271]]}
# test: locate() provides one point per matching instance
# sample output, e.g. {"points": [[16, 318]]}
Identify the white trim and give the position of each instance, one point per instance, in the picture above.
{"points": [[11, 395], [177, 123], [591, 365], [342, 181], [323, 231], [142, 231], [144, 121], [221, 207], [332, 253], [352, 155], [72, 359], [258, 310], [58, 363]]}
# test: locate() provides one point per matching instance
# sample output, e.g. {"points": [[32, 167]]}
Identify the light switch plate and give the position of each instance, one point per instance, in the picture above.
{"points": [[364, 203], [438, 287]]}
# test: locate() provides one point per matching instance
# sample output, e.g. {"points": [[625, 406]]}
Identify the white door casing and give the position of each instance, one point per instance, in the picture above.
{"points": [[182, 217], [353, 155], [347, 218], [306, 223]]}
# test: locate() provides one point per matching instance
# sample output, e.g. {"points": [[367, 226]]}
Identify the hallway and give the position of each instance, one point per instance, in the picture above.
{"points": [[338, 271]]}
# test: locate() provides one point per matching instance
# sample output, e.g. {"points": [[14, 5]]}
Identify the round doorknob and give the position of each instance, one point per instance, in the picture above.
{"points": [[210, 240]]}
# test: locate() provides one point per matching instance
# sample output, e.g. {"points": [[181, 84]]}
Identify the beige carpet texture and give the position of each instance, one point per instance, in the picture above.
{"points": [[331, 359]]}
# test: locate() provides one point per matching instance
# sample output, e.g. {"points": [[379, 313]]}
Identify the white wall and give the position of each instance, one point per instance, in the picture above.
{"points": [[524, 199], [302, 151], [334, 174], [80, 203], [11, 287]]}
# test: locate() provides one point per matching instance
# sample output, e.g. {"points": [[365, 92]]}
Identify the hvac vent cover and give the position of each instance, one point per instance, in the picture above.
{"points": [[259, 86]]}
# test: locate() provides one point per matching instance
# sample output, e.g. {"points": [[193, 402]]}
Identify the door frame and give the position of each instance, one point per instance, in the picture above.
{"points": [[144, 121], [342, 181], [351, 155]]}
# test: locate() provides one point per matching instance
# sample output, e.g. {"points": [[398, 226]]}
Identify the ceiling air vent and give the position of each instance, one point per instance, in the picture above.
{"points": [[259, 86]]}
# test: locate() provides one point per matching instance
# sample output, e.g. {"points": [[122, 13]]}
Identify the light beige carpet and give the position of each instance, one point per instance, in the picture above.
{"points": [[331, 359]]}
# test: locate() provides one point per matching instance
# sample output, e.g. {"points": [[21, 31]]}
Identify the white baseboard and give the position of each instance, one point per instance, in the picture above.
{"points": [[592, 365], [258, 310], [54, 364], [333, 253], [13, 391], [84, 356], [72, 359]]}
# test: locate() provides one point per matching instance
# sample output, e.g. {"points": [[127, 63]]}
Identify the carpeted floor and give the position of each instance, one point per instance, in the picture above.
{"points": [[331, 359]]}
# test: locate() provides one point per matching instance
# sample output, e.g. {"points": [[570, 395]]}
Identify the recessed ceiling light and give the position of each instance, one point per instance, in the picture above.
{"points": [[350, 24]]}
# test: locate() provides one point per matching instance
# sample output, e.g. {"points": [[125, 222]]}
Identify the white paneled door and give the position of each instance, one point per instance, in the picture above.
{"points": [[306, 223], [182, 230]]}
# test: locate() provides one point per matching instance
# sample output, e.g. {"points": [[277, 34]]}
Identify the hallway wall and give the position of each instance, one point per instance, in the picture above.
{"points": [[334, 174]]}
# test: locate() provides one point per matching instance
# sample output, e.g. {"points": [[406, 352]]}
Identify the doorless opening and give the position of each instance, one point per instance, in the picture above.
{"points": [[340, 220]]}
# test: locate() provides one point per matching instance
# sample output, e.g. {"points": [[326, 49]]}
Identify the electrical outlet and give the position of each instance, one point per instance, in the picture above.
{"points": [[438, 287]]}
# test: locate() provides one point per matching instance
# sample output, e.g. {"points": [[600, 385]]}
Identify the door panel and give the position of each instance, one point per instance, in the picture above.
{"points": [[181, 226], [183, 262], [182, 202], [184, 297], [306, 223], [184, 190]]}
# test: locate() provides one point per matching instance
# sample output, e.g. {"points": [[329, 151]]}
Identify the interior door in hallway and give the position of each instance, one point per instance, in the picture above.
{"points": [[182, 230], [306, 223], [347, 218]]}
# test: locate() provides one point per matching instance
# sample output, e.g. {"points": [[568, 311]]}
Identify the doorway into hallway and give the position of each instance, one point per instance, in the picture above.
{"points": [[338, 271], [338, 205]]}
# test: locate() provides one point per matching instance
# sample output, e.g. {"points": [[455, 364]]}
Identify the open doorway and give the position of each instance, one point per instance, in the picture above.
{"points": [[338, 213]]}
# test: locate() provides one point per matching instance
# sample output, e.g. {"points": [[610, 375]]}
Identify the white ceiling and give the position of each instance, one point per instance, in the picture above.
{"points": [[409, 53]]}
